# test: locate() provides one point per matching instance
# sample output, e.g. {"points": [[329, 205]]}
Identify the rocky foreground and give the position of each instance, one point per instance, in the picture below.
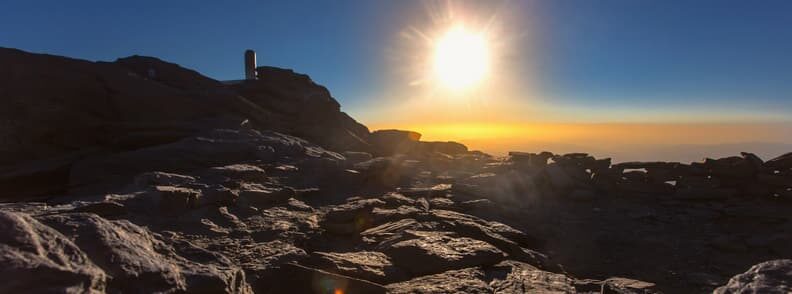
{"points": [[141, 176]]}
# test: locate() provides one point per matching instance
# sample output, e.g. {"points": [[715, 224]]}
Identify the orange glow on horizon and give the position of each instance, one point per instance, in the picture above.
{"points": [[499, 138], [501, 104]]}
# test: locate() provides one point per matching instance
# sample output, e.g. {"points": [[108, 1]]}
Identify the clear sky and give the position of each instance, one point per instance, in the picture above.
{"points": [[557, 61]]}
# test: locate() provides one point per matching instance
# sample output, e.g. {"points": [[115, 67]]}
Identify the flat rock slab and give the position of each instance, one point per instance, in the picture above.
{"points": [[392, 230], [368, 265], [469, 280], [381, 216], [282, 223], [504, 237], [518, 277], [425, 252], [237, 172], [265, 197], [350, 218]]}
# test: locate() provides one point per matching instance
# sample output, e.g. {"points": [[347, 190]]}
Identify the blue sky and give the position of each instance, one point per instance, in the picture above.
{"points": [[685, 53], [730, 59]]}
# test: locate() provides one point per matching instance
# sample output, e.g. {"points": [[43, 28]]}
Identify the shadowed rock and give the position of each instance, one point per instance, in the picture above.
{"points": [[368, 265], [138, 102], [423, 252], [137, 261], [773, 276], [38, 259], [391, 142]]}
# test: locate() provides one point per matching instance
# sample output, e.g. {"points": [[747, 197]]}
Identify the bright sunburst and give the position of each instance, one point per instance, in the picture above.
{"points": [[461, 58], [454, 55]]}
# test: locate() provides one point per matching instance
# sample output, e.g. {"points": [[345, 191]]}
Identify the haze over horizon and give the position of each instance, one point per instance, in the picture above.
{"points": [[628, 79]]}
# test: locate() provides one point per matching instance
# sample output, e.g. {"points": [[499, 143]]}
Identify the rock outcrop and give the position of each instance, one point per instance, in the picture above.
{"points": [[292, 103], [37, 258], [773, 276], [56, 111], [153, 178]]}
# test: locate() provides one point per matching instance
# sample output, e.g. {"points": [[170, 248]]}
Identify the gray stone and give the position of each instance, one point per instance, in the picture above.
{"points": [[385, 215], [507, 239], [773, 276], [352, 217], [391, 231], [136, 260], [397, 199], [368, 265], [38, 259], [425, 252], [517, 277], [470, 281]]}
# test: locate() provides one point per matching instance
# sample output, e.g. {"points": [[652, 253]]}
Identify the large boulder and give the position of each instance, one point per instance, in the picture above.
{"points": [[773, 276], [137, 261], [390, 142], [39, 259]]}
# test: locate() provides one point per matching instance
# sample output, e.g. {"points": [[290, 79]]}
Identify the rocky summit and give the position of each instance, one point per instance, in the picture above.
{"points": [[140, 176]]}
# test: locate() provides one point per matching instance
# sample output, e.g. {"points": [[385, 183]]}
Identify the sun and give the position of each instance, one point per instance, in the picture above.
{"points": [[461, 58]]}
